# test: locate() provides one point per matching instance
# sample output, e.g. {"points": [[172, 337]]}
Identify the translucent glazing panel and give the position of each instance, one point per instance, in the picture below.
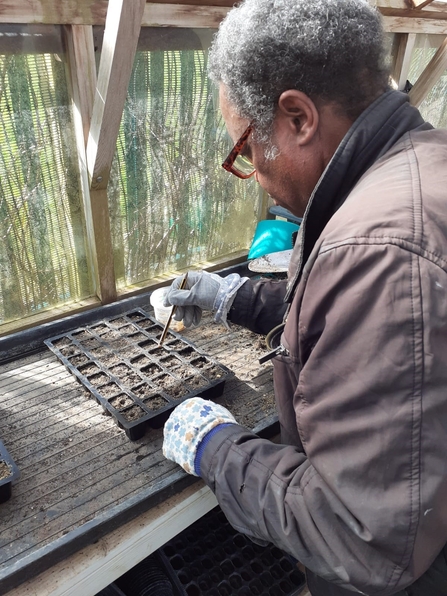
{"points": [[171, 203], [43, 260], [434, 106]]}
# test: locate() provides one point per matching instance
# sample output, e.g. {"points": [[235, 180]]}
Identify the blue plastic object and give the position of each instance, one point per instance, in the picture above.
{"points": [[285, 213], [271, 235]]}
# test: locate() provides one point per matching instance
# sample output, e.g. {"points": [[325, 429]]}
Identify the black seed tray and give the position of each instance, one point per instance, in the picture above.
{"points": [[11, 471], [135, 380], [210, 558]]}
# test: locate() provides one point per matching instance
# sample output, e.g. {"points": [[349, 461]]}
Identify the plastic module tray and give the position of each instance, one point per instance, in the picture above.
{"points": [[9, 472], [135, 380], [210, 558]]}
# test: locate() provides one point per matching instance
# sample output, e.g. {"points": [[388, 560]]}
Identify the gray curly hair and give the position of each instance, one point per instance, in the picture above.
{"points": [[331, 50]]}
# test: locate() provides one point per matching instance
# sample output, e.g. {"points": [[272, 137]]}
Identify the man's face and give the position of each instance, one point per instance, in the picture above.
{"points": [[286, 177]]}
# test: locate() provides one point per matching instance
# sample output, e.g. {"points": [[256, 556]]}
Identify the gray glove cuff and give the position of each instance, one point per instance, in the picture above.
{"points": [[225, 296]]}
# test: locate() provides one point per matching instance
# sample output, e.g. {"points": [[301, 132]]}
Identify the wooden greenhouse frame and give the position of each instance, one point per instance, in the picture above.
{"points": [[99, 97], [91, 504]]}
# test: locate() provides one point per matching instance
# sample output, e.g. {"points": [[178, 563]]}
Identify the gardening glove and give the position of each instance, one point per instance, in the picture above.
{"points": [[203, 291], [187, 427]]}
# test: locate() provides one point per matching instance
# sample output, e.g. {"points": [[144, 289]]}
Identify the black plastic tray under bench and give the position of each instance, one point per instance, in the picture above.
{"points": [[210, 558], [135, 380], [8, 473]]}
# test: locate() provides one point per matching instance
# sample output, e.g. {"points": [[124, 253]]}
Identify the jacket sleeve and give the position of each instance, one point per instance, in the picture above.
{"points": [[259, 305], [364, 505]]}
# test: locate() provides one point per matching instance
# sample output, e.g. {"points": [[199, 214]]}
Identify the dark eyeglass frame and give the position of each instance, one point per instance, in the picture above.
{"points": [[228, 164]]}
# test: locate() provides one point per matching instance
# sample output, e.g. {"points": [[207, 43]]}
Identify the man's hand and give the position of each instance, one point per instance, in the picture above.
{"points": [[186, 428], [203, 291]]}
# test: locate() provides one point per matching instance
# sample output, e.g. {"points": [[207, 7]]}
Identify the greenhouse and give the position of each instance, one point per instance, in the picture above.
{"points": [[116, 117]]}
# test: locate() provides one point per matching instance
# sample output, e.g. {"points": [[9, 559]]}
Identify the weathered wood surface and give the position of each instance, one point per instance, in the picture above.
{"points": [[76, 465], [187, 13], [93, 12]]}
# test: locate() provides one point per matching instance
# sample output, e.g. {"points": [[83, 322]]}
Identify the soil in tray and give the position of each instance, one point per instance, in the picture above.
{"points": [[100, 352], [120, 344], [151, 369], [137, 337], [69, 350], [89, 369], [121, 401], [156, 351], [62, 342], [175, 345], [213, 372], [82, 335], [78, 360], [154, 402], [109, 390], [119, 322], [201, 362], [188, 353], [197, 382], [5, 470], [140, 361], [182, 371], [91, 344], [136, 316], [169, 361], [133, 413], [125, 374], [171, 386], [111, 334], [149, 326], [99, 329], [143, 391], [99, 379], [128, 330]]}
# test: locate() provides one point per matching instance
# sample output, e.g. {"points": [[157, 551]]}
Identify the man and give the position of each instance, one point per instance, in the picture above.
{"points": [[357, 490]]}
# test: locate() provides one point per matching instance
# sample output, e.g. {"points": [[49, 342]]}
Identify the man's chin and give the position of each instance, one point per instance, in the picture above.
{"points": [[279, 203]]}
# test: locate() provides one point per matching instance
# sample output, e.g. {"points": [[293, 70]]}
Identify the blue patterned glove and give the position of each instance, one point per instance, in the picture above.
{"points": [[187, 427]]}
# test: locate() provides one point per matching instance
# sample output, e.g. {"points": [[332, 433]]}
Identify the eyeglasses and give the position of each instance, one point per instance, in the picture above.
{"points": [[238, 164]]}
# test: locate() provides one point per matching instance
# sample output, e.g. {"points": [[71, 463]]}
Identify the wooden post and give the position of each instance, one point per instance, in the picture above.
{"points": [[402, 59], [430, 76], [121, 33], [78, 40]]}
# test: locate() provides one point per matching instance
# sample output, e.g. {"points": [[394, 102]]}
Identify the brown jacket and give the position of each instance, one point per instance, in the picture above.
{"points": [[358, 489]]}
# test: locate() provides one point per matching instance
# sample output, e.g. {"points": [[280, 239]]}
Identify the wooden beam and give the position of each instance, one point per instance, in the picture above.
{"points": [[413, 25], [432, 73], [402, 59], [418, 4], [67, 12], [405, 5], [118, 52], [94, 12], [183, 15], [180, 13]]}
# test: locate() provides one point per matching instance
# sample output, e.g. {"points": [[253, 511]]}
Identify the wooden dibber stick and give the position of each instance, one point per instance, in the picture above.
{"points": [[174, 308]]}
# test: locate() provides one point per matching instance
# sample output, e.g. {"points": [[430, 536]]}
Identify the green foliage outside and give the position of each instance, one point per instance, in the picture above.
{"points": [[171, 204], [43, 259]]}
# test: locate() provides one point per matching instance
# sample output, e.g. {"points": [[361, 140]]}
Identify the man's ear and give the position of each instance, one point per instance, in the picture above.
{"points": [[301, 113]]}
